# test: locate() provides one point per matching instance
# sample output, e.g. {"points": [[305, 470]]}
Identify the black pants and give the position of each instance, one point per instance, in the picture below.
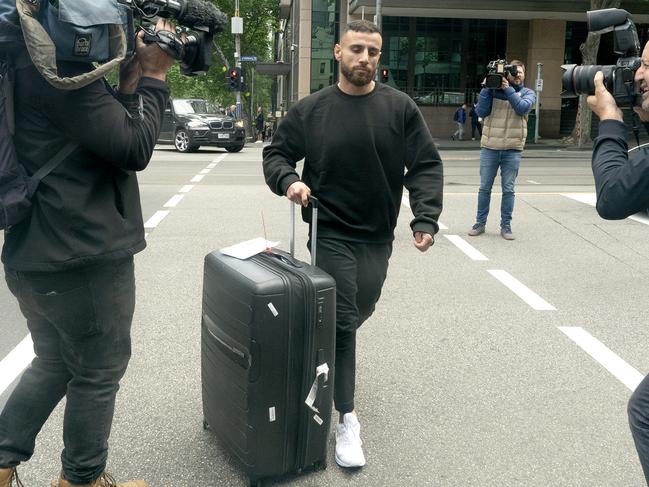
{"points": [[638, 410], [80, 322], [359, 270]]}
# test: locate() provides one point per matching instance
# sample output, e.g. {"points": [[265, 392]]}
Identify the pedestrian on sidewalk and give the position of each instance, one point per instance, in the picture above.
{"points": [[476, 122], [459, 117], [504, 111], [356, 169], [259, 124], [70, 263]]}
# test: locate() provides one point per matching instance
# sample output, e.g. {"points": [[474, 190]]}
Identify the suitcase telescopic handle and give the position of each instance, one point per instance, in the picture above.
{"points": [[315, 203]]}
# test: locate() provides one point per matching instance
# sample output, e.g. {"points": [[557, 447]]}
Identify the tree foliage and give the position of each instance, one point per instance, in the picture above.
{"points": [[260, 21]]}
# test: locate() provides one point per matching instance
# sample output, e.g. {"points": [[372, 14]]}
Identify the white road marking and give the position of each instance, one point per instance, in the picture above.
{"points": [[206, 171], [522, 291], [591, 199], [532, 182], [608, 359], [174, 200], [466, 247], [157, 217], [197, 178], [405, 202], [13, 364], [187, 188]]}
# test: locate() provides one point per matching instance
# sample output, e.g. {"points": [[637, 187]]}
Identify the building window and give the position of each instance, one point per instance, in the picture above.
{"points": [[324, 33], [441, 61]]}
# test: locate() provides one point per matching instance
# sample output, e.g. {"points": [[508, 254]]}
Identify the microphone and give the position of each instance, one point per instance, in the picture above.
{"points": [[202, 14]]}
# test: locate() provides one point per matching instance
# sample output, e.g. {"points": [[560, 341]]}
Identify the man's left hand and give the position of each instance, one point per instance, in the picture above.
{"points": [[423, 241]]}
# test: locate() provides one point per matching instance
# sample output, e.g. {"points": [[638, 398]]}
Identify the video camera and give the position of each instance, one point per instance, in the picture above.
{"points": [[619, 78], [202, 19], [496, 71]]}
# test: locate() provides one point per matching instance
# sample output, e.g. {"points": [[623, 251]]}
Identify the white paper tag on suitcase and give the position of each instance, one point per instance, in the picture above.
{"points": [[322, 369], [271, 414], [249, 248], [273, 309]]}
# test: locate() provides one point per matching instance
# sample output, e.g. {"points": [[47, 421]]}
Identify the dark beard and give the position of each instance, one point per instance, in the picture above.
{"points": [[355, 76]]}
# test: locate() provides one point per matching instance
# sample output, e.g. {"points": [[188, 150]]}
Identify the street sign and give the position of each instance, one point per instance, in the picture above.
{"points": [[249, 59], [539, 85]]}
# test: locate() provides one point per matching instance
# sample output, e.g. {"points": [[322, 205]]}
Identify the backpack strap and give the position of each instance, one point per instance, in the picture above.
{"points": [[49, 166]]}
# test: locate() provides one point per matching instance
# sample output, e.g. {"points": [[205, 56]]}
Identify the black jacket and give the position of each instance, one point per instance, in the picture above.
{"points": [[621, 177], [88, 209], [355, 150]]}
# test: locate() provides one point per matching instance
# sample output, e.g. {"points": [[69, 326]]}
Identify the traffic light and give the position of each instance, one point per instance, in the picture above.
{"points": [[233, 77], [384, 75]]}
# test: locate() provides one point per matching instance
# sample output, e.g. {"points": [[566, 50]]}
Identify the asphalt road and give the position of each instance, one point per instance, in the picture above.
{"points": [[487, 362]]}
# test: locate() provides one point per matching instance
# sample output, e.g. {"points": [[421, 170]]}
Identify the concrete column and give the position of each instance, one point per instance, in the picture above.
{"points": [[547, 39], [304, 49]]}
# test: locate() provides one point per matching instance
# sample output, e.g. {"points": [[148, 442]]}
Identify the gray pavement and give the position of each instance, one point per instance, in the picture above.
{"points": [[460, 382]]}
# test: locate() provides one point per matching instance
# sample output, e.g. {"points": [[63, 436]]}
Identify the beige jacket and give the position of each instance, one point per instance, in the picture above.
{"points": [[503, 128]]}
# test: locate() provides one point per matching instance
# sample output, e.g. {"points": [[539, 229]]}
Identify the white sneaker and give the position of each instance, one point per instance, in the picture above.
{"points": [[349, 452]]}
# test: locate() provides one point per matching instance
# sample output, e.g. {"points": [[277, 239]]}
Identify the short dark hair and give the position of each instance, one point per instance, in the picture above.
{"points": [[516, 62], [363, 26]]}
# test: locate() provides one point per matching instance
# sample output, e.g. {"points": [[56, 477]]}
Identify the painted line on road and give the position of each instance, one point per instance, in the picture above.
{"points": [[174, 200], [466, 247], [521, 290], [406, 202], [198, 178], [608, 359], [187, 188], [155, 220], [532, 182], [13, 364], [206, 171], [591, 199]]}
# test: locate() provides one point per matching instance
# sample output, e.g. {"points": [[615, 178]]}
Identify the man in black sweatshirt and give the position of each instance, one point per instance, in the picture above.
{"points": [[70, 263], [357, 139], [622, 185]]}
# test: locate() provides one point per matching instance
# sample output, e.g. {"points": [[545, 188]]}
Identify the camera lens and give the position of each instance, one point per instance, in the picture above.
{"points": [[580, 80]]}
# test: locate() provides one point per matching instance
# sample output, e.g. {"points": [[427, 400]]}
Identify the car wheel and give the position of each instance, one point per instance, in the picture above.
{"points": [[234, 148], [181, 142]]}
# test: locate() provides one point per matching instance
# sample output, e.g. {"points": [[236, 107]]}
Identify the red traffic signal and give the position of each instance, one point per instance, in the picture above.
{"points": [[384, 75], [234, 79]]}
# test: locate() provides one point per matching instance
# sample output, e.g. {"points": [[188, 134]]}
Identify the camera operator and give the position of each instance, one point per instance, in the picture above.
{"points": [[70, 264], [622, 185], [504, 130]]}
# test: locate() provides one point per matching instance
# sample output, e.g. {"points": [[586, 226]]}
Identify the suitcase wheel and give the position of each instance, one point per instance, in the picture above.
{"points": [[206, 425]]}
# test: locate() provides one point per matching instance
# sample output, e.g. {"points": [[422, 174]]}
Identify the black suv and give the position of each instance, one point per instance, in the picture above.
{"points": [[192, 123]]}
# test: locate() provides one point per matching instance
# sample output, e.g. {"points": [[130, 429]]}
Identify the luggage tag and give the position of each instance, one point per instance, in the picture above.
{"points": [[321, 370]]}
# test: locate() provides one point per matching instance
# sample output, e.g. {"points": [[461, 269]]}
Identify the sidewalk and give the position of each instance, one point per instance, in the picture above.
{"points": [[543, 144]]}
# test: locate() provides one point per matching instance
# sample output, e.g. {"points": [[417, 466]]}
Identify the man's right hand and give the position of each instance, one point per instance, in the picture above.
{"points": [[299, 193], [602, 102], [154, 61]]}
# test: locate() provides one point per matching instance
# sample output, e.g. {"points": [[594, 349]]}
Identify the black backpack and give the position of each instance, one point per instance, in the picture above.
{"points": [[17, 187]]}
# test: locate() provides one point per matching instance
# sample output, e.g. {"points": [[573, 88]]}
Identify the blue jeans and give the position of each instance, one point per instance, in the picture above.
{"points": [[490, 160], [80, 322]]}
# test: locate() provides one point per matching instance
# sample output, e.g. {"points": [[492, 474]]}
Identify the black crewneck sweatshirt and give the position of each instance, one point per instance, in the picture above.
{"points": [[355, 150]]}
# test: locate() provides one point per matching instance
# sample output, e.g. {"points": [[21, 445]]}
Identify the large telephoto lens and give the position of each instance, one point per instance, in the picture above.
{"points": [[580, 80]]}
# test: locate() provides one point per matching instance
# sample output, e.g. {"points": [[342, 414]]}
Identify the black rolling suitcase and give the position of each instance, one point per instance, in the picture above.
{"points": [[267, 354]]}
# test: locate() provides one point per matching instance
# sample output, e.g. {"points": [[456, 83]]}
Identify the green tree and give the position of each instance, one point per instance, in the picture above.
{"points": [[260, 22]]}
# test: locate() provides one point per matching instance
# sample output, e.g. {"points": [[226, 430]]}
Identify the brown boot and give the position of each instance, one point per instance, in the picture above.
{"points": [[7, 476], [104, 480]]}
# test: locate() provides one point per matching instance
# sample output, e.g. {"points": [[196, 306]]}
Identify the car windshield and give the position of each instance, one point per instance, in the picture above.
{"points": [[194, 106]]}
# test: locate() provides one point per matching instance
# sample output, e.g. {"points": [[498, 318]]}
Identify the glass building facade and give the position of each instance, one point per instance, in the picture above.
{"points": [[449, 58], [324, 35]]}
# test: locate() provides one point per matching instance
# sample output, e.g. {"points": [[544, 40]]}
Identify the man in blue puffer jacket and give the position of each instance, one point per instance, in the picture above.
{"points": [[504, 131]]}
